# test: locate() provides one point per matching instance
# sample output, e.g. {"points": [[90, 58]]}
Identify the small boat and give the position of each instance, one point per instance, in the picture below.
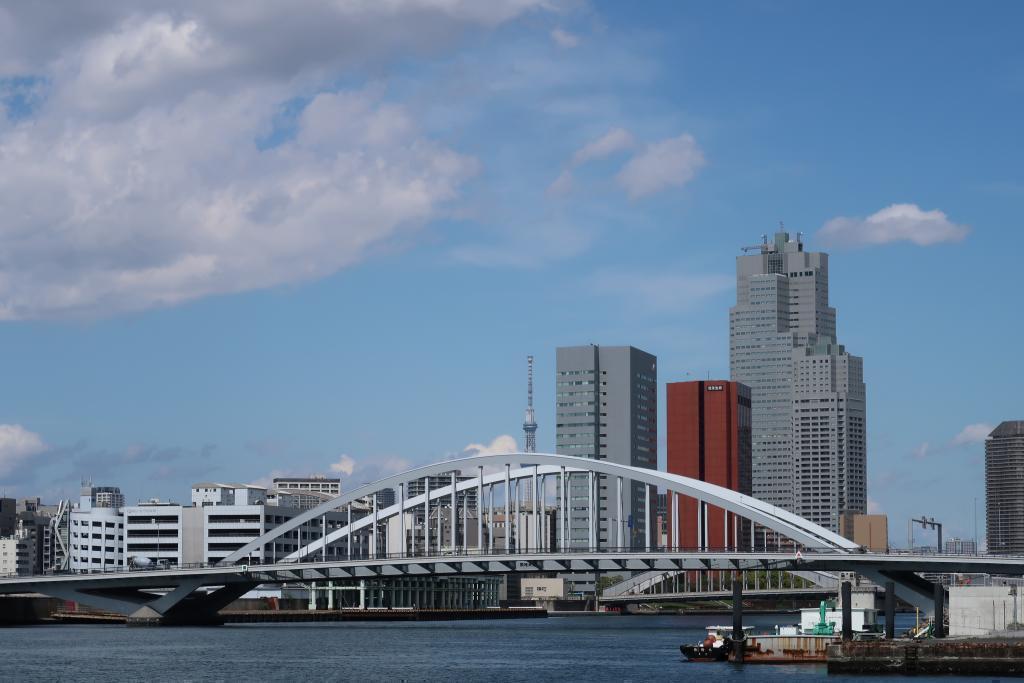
{"points": [[714, 648]]}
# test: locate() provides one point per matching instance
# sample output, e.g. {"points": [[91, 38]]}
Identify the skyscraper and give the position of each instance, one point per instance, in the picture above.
{"points": [[1004, 488], [708, 433], [606, 407], [530, 421], [808, 399]]}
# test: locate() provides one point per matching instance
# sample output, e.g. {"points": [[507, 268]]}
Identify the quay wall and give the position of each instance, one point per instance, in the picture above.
{"points": [[973, 657]]}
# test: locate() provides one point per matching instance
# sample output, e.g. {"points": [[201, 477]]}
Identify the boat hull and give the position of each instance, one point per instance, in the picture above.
{"points": [[699, 653], [772, 649]]}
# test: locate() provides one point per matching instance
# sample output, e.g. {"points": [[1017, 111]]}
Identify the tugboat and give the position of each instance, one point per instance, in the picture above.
{"points": [[714, 648]]}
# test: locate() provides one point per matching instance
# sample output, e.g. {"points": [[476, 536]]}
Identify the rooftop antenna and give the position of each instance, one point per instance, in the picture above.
{"points": [[529, 423]]}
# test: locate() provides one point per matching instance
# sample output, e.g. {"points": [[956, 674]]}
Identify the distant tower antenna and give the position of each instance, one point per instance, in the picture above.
{"points": [[530, 423]]}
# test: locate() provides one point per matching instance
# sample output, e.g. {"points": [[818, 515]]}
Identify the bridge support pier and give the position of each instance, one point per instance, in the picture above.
{"points": [[738, 640], [179, 606], [939, 630], [846, 593], [890, 610]]}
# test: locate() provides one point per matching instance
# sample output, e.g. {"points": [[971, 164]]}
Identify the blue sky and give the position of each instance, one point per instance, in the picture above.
{"points": [[239, 241]]}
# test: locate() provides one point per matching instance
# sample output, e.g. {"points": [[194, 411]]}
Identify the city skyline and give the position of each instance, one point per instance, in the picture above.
{"points": [[650, 162]]}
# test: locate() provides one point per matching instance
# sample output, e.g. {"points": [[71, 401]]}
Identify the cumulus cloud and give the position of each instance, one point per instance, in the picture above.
{"points": [[500, 445], [257, 34], [345, 465], [561, 185], [203, 149], [564, 38], [615, 140], [17, 446], [921, 452], [669, 163], [895, 223], [973, 433]]}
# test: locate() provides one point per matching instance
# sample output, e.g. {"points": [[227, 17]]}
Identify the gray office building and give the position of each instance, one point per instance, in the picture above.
{"points": [[808, 398], [1004, 488], [606, 407]]}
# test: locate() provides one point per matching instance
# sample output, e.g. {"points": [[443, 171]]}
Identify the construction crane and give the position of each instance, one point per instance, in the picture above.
{"points": [[757, 247]]}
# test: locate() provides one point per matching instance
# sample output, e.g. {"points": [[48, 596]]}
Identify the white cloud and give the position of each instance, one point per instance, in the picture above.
{"points": [[162, 165], [895, 223], [615, 140], [874, 507], [921, 452], [669, 163], [664, 292], [561, 185], [17, 445], [500, 445], [253, 35], [345, 465], [564, 38], [973, 433]]}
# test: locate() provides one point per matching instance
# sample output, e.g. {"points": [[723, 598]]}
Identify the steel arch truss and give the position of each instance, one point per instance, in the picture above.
{"points": [[530, 466]]}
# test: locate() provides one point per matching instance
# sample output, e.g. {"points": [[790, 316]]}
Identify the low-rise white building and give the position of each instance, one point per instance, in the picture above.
{"points": [[153, 533], [8, 556], [534, 588], [96, 531]]}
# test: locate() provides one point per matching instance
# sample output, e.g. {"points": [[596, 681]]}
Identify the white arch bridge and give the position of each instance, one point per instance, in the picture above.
{"points": [[548, 518]]}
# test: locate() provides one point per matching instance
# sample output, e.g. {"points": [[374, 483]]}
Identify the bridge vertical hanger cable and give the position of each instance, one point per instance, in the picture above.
{"points": [[440, 525], [647, 517], [479, 511], [592, 511], [561, 511], [536, 514], [508, 511], [454, 516], [426, 515], [401, 519], [373, 534]]}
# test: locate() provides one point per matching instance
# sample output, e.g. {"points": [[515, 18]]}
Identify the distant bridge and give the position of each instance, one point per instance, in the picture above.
{"points": [[181, 595]]}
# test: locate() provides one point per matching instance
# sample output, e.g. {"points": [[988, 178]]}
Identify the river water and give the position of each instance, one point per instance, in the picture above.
{"points": [[580, 648]]}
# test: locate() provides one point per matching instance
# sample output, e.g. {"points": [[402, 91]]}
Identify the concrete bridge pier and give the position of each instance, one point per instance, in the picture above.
{"points": [[196, 609], [182, 604], [738, 639]]}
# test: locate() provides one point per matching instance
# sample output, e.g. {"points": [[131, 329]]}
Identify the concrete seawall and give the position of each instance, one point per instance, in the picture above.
{"points": [[928, 657]]}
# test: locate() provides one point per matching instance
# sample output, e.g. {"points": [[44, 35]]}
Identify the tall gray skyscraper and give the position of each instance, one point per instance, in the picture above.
{"points": [[1004, 488], [606, 407], [807, 393]]}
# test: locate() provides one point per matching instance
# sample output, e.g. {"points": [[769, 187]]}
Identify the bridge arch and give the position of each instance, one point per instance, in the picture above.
{"points": [[529, 465]]}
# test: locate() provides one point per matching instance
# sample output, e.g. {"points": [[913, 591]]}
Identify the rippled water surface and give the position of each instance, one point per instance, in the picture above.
{"points": [[597, 648]]}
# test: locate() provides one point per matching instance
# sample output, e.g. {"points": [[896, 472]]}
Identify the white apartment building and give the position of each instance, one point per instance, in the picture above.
{"points": [[96, 531], [8, 556]]}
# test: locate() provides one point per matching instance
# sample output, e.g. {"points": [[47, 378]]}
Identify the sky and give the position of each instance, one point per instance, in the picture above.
{"points": [[246, 239]]}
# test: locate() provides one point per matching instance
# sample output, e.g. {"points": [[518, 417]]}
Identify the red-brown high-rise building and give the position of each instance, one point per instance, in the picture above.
{"points": [[709, 439]]}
